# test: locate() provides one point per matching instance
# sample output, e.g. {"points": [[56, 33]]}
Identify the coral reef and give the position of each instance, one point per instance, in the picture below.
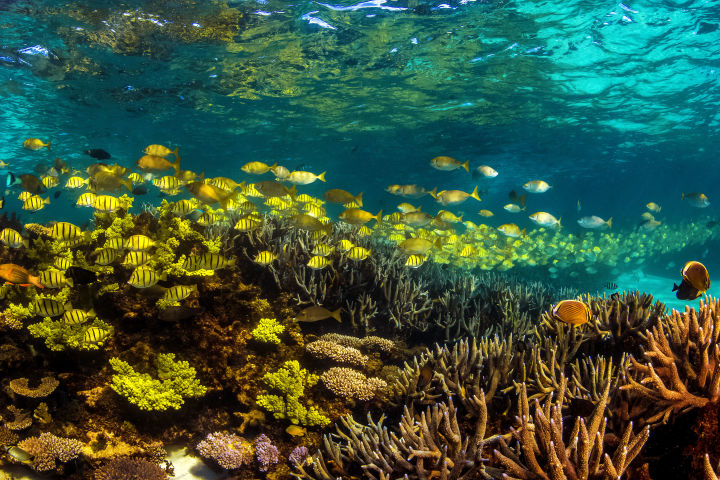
{"points": [[267, 331], [266, 453], [44, 387], [176, 381], [125, 468], [47, 450], [228, 450], [351, 384]]}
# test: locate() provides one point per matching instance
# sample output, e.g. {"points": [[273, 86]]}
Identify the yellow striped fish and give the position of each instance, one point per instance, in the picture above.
{"points": [[136, 178], [247, 206], [77, 316], [76, 182], [12, 238], [105, 256], [209, 218], [183, 207], [47, 307], [49, 181], [55, 279], [247, 224], [322, 249], [95, 335], [193, 263], [358, 253], [364, 231], [345, 245], [116, 243], [135, 259], [318, 263], [35, 203], [138, 243], [179, 292], [167, 182], [214, 261], [62, 263], [24, 196], [414, 261], [144, 277], [265, 258], [106, 203], [86, 200], [65, 232]]}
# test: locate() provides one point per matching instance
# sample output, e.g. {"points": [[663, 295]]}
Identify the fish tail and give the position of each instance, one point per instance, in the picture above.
{"points": [[558, 224], [321, 176], [378, 217], [466, 165], [176, 163], [522, 200], [475, 195], [524, 232], [69, 282], [128, 184], [358, 199], [292, 191], [609, 222], [675, 287], [26, 243], [46, 200], [91, 313], [433, 192], [336, 315], [682, 195], [11, 180], [438, 243], [47, 145]]}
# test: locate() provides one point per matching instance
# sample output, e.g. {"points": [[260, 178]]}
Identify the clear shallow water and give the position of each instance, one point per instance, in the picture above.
{"points": [[614, 104]]}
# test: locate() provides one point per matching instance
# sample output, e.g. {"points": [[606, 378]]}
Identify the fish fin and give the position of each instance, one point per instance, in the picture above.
{"points": [[26, 243], [163, 275], [461, 215], [193, 288], [466, 165], [47, 145], [91, 313], [475, 195], [433, 192], [67, 306], [558, 224], [336, 315], [128, 184], [358, 199], [438, 243], [176, 163], [522, 201], [682, 195], [675, 287], [378, 217], [292, 191], [69, 282], [609, 222], [524, 232], [231, 262], [321, 176], [46, 200]]}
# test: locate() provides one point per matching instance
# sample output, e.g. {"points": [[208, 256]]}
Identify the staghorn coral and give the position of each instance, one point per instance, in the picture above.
{"points": [[324, 350], [7, 437], [59, 335], [542, 452], [461, 370], [351, 384], [682, 369], [21, 419], [45, 387], [47, 450], [176, 381], [226, 449], [432, 446], [266, 453]]}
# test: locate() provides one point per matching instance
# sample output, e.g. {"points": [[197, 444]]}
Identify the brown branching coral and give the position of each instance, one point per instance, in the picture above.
{"points": [[432, 447], [463, 370], [370, 343], [7, 437], [45, 387], [125, 468], [47, 450], [324, 350], [542, 452], [18, 419], [351, 384], [682, 369]]}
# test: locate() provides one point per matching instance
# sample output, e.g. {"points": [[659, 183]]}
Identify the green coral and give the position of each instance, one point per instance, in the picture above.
{"points": [[290, 382], [60, 336], [176, 381], [267, 331], [17, 312], [112, 225], [213, 245]]}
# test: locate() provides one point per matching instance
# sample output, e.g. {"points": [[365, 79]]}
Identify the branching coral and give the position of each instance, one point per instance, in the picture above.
{"points": [[290, 382], [267, 331], [682, 369], [351, 384], [176, 381], [47, 450], [125, 468], [60, 335], [324, 350]]}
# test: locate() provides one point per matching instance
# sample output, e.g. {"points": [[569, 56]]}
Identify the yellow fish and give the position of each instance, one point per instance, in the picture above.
{"points": [[12, 238], [35, 144], [138, 243], [511, 230], [537, 186], [35, 203], [485, 213], [448, 164], [454, 197], [76, 182], [257, 168], [358, 253], [106, 203], [145, 277], [316, 312], [414, 261], [86, 200], [304, 178], [355, 216], [95, 335], [653, 207], [160, 151], [318, 262], [265, 257], [337, 195], [179, 292]]}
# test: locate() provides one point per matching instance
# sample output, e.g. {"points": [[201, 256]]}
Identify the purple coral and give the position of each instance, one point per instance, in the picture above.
{"points": [[298, 455], [226, 449], [47, 449], [266, 453]]}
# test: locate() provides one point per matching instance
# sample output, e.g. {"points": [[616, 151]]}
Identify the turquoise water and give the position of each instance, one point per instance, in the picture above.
{"points": [[613, 104]]}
